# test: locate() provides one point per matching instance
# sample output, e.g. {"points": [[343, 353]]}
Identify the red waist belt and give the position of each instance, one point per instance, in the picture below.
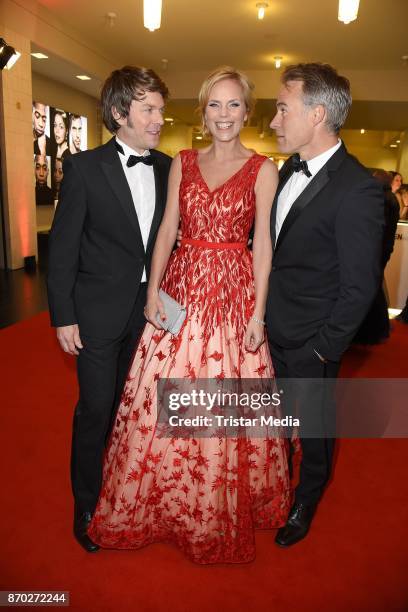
{"points": [[213, 245]]}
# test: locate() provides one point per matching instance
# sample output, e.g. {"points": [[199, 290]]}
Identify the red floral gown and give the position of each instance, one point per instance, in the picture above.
{"points": [[206, 495]]}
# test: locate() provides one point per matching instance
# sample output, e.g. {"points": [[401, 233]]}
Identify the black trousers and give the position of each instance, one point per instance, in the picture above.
{"points": [[102, 367], [311, 399]]}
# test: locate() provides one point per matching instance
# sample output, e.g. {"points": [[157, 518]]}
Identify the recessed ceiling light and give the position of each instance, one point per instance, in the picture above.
{"points": [[278, 61], [152, 14], [393, 146], [110, 19], [169, 119], [199, 137], [261, 6], [348, 10], [83, 77], [397, 141], [362, 131], [39, 55]]}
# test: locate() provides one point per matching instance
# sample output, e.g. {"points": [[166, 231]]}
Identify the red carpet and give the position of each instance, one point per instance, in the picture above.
{"points": [[354, 559]]}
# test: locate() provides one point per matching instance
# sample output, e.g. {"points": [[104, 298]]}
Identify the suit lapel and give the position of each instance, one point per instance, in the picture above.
{"points": [[310, 192], [159, 199], [116, 178], [307, 195]]}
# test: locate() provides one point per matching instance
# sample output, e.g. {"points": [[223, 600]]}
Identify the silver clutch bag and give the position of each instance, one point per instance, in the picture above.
{"points": [[175, 314]]}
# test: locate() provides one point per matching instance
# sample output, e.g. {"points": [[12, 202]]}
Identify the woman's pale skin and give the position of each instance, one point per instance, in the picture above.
{"points": [[225, 115]]}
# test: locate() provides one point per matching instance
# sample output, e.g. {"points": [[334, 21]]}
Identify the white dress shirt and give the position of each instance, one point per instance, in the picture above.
{"points": [[140, 179], [297, 183]]}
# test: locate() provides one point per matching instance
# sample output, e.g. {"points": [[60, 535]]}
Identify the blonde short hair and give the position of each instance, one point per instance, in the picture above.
{"points": [[221, 74]]}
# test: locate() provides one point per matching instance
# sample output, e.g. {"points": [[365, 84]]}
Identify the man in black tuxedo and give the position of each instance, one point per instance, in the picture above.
{"points": [[327, 227], [111, 203]]}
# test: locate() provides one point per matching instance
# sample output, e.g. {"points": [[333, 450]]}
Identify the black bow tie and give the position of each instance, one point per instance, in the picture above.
{"points": [[299, 165], [135, 159]]}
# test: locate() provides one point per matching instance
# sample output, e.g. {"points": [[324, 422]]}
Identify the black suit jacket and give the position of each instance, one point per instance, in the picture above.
{"points": [[96, 252], [326, 266]]}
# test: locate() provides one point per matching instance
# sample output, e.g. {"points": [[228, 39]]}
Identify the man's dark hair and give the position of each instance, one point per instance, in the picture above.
{"points": [[322, 85], [73, 118], [124, 85], [394, 174], [383, 176]]}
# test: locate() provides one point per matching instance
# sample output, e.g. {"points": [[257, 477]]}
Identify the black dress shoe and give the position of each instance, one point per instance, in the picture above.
{"points": [[297, 526], [81, 524]]}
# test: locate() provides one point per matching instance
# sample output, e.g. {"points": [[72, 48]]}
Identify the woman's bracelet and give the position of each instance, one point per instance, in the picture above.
{"points": [[258, 320]]}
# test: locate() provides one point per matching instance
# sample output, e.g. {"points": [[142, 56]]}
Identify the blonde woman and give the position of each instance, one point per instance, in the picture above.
{"points": [[206, 495]]}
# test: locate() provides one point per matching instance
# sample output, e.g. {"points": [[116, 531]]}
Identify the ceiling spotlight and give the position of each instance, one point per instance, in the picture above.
{"points": [[198, 137], [348, 10], [39, 55], [110, 19], [83, 77], [393, 146], [13, 60], [261, 6], [362, 131], [397, 141], [8, 55], [169, 119], [278, 61], [152, 14]]}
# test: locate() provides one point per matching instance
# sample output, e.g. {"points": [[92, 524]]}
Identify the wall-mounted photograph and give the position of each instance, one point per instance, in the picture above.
{"points": [[56, 134], [78, 137], [44, 195], [41, 128]]}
